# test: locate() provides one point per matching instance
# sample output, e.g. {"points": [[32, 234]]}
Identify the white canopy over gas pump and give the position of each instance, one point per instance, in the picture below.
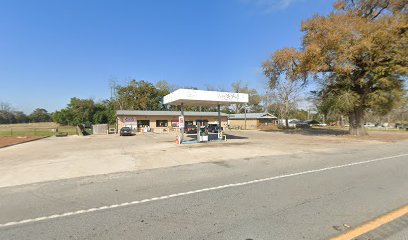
{"points": [[191, 97]]}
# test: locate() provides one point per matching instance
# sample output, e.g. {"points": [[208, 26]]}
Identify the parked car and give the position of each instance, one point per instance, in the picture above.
{"points": [[299, 124], [214, 128], [368, 124], [190, 129], [125, 131]]}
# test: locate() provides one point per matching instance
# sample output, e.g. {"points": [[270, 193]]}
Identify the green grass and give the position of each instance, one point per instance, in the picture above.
{"points": [[367, 128], [387, 130], [28, 131], [30, 125], [69, 129]]}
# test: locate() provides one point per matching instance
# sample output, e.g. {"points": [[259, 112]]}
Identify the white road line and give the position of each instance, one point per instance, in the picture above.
{"points": [[38, 219]]}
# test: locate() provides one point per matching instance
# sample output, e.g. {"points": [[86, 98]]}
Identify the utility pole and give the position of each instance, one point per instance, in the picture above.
{"points": [[182, 129], [245, 117], [245, 108], [219, 117]]}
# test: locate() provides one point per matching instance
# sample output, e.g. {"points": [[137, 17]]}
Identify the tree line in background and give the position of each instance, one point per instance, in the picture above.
{"points": [[85, 111], [9, 116], [133, 95], [143, 95]]}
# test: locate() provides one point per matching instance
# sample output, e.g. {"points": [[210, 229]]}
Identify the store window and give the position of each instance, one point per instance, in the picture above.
{"points": [[143, 123], [162, 123]]}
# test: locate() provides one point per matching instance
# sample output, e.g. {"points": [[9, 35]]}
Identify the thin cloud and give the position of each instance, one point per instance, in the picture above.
{"points": [[268, 6], [285, 3]]}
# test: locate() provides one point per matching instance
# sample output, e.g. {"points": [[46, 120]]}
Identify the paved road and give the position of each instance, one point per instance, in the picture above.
{"points": [[300, 196]]}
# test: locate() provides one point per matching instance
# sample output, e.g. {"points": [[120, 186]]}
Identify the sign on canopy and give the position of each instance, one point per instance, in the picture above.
{"points": [[193, 97]]}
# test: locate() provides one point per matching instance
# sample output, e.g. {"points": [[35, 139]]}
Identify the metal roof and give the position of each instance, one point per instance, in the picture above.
{"points": [[166, 113], [252, 116]]}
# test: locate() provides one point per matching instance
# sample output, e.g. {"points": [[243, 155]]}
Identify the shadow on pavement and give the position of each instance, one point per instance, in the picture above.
{"points": [[214, 136], [312, 131], [230, 136]]}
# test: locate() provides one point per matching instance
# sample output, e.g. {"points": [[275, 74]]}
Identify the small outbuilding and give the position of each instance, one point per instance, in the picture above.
{"points": [[251, 120]]}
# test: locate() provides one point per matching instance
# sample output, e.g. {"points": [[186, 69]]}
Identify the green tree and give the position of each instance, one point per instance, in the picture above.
{"points": [[101, 117], [82, 110], [78, 111], [139, 95], [21, 117], [40, 115], [63, 117], [104, 113], [6, 115]]}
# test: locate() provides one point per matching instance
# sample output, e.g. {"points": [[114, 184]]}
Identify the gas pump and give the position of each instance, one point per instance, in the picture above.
{"points": [[202, 132]]}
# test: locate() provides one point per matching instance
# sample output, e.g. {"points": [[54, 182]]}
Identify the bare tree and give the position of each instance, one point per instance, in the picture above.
{"points": [[286, 95], [285, 79], [254, 100], [5, 107]]}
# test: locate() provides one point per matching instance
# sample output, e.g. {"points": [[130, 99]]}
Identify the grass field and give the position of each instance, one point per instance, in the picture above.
{"points": [[368, 129], [34, 129]]}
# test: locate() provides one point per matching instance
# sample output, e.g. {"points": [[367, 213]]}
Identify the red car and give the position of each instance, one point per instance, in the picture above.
{"points": [[190, 129]]}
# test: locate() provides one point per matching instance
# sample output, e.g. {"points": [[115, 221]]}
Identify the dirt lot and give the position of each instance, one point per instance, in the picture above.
{"points": [[373, 134], [59, 158], [383, 136], [34, 129], [8, 140]]}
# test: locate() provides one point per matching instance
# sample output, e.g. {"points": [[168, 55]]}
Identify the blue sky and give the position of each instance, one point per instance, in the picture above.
{"points": [[52, 50]]}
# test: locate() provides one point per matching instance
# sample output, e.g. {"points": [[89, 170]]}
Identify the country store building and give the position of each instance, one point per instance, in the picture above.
{"points": [[161, 121]]}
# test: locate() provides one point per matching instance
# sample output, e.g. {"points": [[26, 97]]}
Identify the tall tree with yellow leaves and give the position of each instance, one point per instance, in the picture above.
{"points": [[359, 54]]}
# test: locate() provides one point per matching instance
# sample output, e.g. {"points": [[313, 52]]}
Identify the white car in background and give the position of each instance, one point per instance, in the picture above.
{"points": [[369, 125]]}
